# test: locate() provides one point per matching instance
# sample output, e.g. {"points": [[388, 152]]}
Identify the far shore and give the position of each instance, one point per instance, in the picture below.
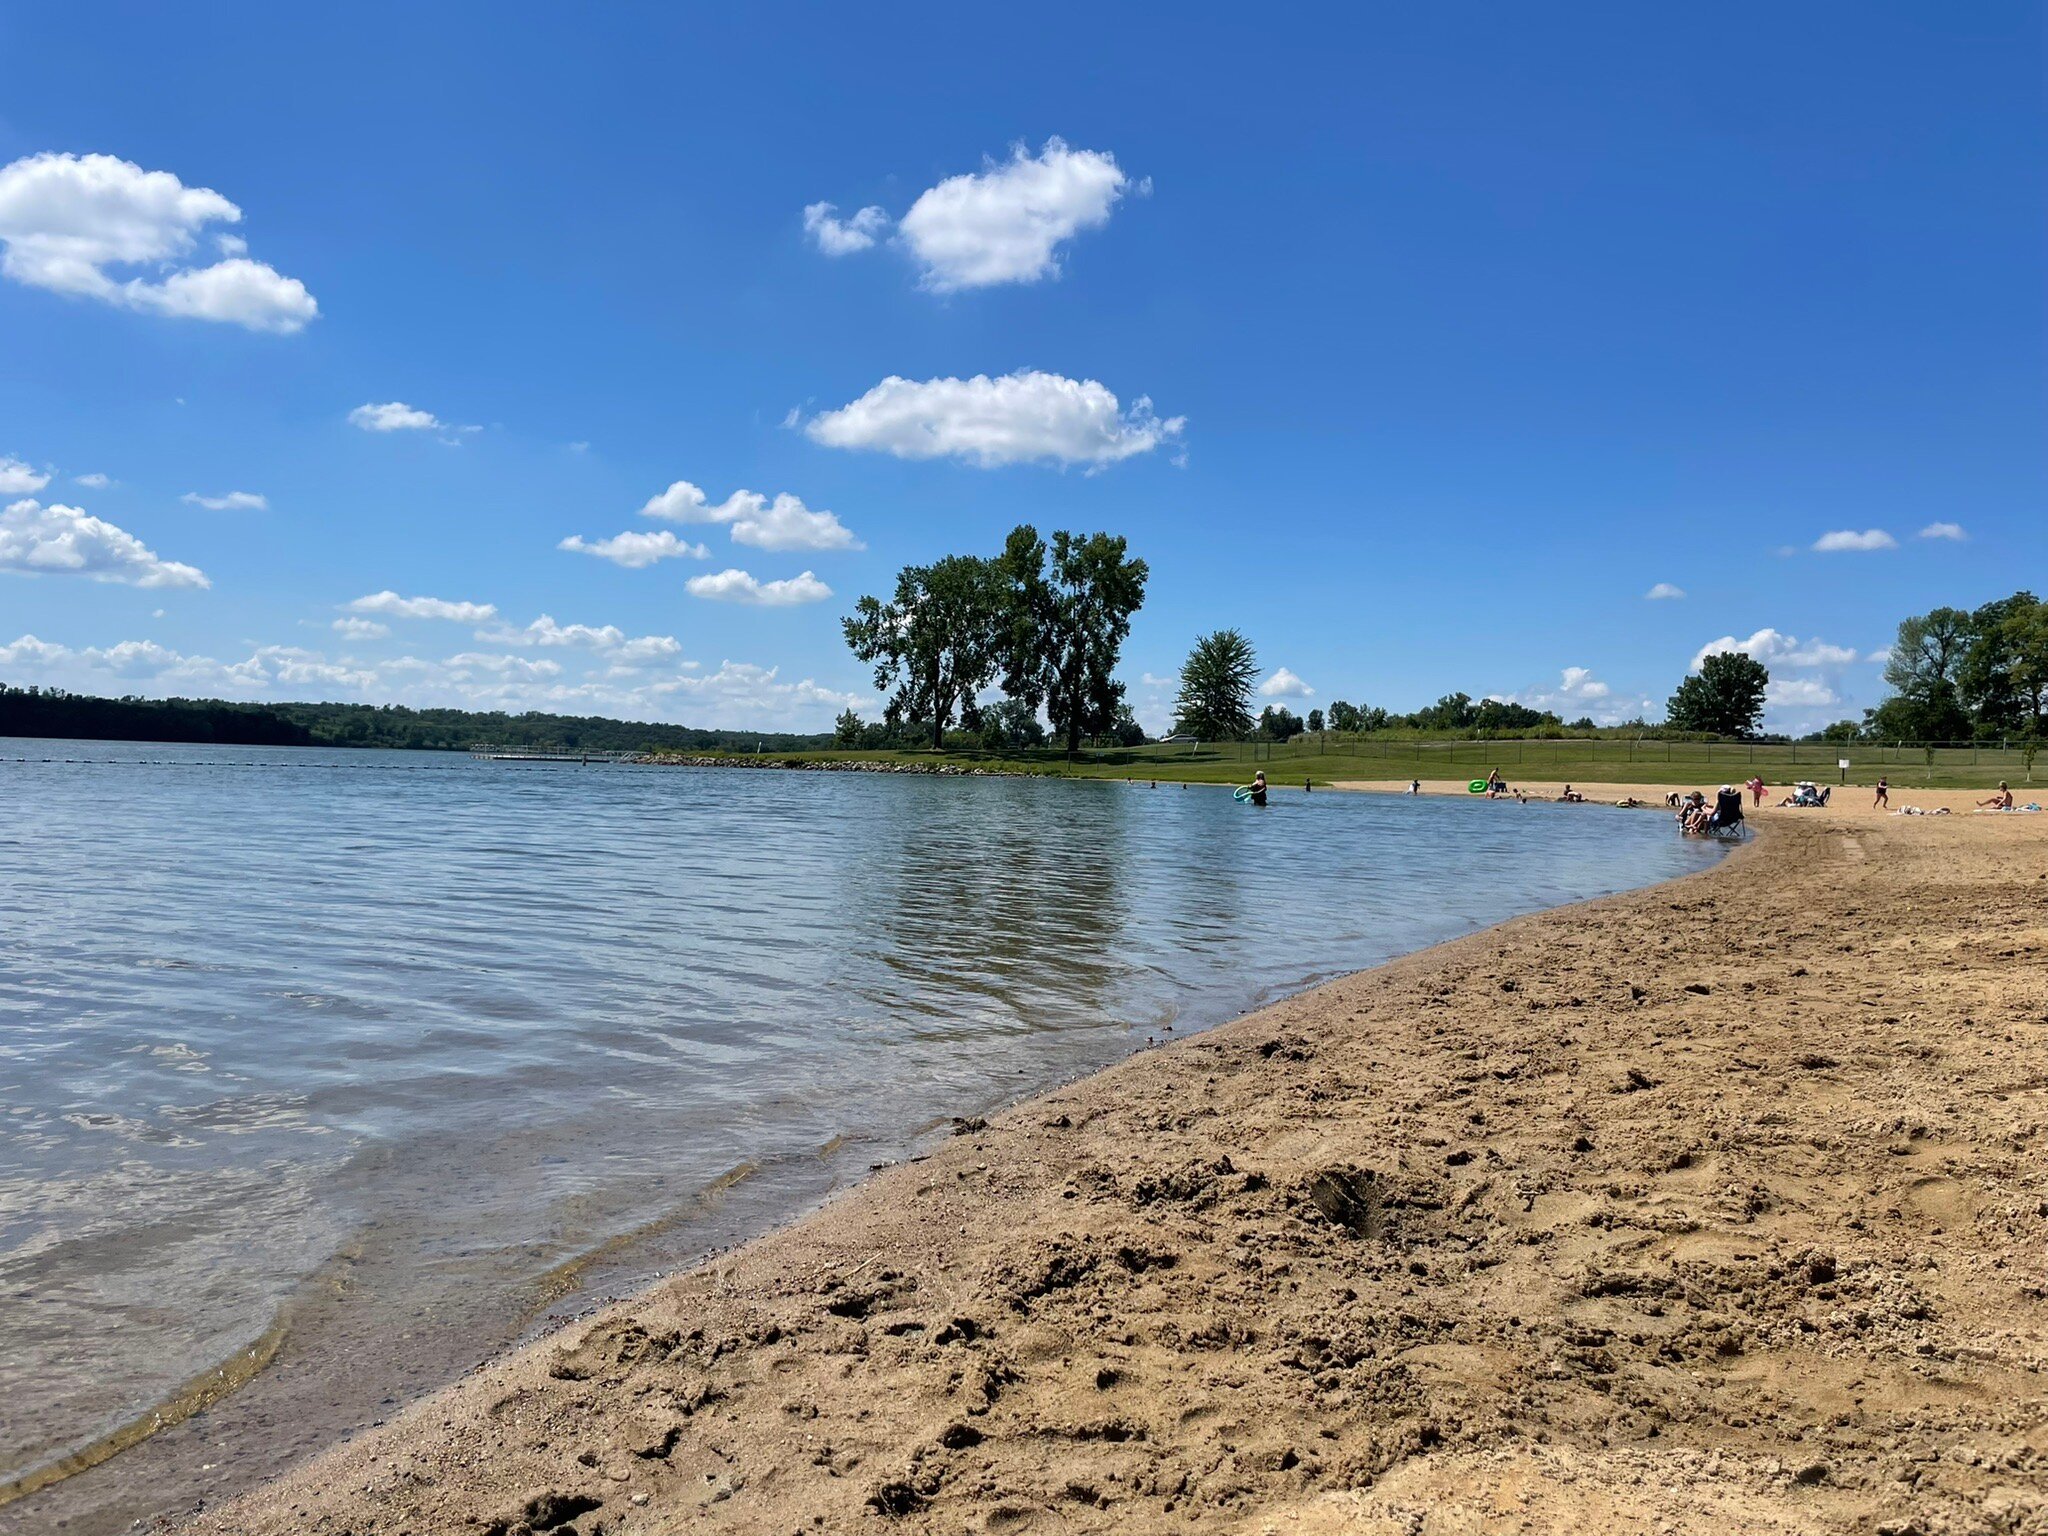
{"points": [[1703, 1208]]}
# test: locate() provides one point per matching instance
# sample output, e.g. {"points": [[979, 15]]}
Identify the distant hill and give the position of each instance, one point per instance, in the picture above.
{"points": [[52, 712]]}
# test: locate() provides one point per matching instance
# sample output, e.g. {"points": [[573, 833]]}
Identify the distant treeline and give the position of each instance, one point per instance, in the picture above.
{"points": [[52, 712]]}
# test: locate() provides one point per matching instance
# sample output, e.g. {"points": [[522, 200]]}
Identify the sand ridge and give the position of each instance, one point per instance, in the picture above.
{"points": [[1711, 1207]]}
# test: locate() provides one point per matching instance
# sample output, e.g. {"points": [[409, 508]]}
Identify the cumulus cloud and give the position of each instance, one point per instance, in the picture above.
{"points": [[782, 524], [1664, 590], [65, 219], [843, 237], [740, 692], [233, 501], [1952, 531], [19, 479], [608, 639], [61, 540], [361, 629], [392, 606], [786, 523], [1577, 692], [1772, 647], [733, 586], [92, 482], [397, 416], [1005, 223], [393, 416], [1022, 417], [636, 551], [1848, 539], [1800, 693], [1283, 684]]}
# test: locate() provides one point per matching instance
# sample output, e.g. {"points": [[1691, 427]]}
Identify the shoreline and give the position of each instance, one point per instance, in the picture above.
{"points": [[1031, 1327]]}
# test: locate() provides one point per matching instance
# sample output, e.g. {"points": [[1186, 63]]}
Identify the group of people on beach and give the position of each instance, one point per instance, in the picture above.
{"points": [[1696, 818]]}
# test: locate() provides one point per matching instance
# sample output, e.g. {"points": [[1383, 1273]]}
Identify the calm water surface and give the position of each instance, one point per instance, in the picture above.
{"points": [[399, 1049]]}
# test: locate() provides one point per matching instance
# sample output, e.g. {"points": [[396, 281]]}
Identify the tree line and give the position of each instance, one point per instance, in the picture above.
{"points": [[1045, 621], [54, 713], [1216, 694]]}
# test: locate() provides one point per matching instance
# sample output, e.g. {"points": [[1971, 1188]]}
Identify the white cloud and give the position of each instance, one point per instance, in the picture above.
{"points": [[683, 502], [734, 586], [19, 479], [740, 693], [60, 540], [608, 639], [843, 237], [233, 501], [92, 482], [1800, 693], [783, 524], [361, 629], [394, 416], [1849, 539], [1005, 224], [789, 524], [1770, 647], [1577, 692], [391, 605], [1283, 684], [64, 219], [1664, 590], [1158, 682], [1019, 418], [1952, 531], [636, 551]]}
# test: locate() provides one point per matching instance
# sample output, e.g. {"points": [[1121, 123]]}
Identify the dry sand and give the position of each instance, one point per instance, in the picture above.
{"points": [[1716, 1207]]}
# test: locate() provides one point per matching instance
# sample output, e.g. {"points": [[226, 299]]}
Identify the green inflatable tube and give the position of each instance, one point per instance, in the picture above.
{"points": [[1241, 795], [1476, 787]]}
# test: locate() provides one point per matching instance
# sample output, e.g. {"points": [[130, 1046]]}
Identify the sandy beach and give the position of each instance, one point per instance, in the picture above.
{"points": [[1715, 1206]]}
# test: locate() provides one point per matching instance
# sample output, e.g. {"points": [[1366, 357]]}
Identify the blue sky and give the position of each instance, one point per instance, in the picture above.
{"points": [[1461, 329]]}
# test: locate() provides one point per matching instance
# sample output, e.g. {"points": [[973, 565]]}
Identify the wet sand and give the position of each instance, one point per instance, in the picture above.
{"points": [[1716, 1206]]}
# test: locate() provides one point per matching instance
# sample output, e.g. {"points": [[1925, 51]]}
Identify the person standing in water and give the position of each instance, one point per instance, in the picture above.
{"points": [[1259, 787]]}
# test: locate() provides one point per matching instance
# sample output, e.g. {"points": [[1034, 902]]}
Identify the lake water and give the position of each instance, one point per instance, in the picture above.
{"points": [[384, 1055]]}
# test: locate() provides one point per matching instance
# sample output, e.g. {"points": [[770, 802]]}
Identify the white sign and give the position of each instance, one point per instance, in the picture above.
{"points": [[1842, 763]]}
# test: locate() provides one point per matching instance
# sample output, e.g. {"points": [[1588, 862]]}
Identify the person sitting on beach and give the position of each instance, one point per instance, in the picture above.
{"points": [[1727, 810], [2002, 801], [1571, 795], [1693, 813], [1259, 787]]}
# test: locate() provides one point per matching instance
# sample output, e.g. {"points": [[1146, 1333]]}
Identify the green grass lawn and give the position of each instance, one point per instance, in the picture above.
{"points": [[1327, 759]]}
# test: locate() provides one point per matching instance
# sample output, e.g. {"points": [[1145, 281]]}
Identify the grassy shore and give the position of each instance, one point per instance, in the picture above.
{"points": [[1330, 759], [1705, 1208]]}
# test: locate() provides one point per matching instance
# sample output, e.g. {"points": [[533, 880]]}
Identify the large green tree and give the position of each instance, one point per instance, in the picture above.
{"points": [[1070, 605], [937, 643], [1999, 680], [1215, 702], [1924, 672], [1725, 697]]}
